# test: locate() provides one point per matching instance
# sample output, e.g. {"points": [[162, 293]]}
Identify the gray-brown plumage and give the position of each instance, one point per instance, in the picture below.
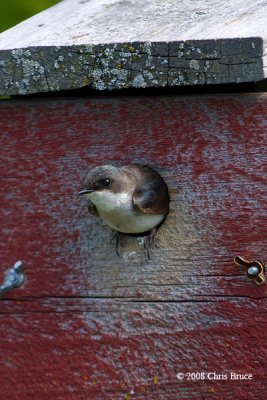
{"points": [[131, 199]]}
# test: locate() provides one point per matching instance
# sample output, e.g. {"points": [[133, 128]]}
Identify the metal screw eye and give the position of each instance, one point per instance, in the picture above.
{"points": [[255, 270], [13, 278]]}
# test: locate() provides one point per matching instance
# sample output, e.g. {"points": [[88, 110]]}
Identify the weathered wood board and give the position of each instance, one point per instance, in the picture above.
{"points": [[87, 324], [114, 44]]}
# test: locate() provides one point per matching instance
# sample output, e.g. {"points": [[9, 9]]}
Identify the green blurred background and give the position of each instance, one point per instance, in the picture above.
{"points": [[14, 11]]}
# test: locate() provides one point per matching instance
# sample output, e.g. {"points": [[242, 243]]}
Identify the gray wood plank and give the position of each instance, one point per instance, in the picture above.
{"points": [[113, 44]]}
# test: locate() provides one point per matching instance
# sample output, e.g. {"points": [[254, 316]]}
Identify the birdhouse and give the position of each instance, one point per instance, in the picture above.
{"points": [[179, 87]]}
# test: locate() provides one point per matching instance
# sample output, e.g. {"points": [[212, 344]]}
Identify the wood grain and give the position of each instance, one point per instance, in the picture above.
{"points": [[87, 324], [110, 44]]}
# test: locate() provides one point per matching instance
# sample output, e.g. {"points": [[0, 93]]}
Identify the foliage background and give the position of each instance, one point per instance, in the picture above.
{"points": [[14, 11]]}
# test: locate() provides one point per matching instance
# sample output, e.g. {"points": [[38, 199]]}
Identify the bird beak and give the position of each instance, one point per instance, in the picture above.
{"points": [[85, 191]]}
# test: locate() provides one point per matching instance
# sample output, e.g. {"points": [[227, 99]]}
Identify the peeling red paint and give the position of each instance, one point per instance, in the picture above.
{"points": [[87, 324]]}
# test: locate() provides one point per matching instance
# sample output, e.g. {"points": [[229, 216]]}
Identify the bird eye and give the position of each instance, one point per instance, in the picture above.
{"points": [[105, 182]]}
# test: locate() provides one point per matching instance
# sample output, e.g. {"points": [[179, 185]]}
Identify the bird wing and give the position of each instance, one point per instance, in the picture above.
{"points": [[151, 193]]}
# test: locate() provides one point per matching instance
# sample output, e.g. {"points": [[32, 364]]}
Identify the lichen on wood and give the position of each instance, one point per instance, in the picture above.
{"points": [[120, 66], [190, 49]]}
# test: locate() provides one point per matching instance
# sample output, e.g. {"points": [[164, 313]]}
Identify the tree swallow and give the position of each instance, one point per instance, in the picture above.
{"points": [[130, 199]]}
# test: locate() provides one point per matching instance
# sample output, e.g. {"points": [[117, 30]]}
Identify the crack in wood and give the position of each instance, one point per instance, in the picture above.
{"points": [[123, 65], [126, 299]]}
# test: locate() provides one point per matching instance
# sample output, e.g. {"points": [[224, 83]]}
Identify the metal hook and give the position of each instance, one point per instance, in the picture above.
{"points": [[13, 278], [255, 270]]}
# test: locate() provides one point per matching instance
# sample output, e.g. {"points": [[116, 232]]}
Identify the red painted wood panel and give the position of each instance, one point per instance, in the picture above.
{"points": [[89, 325]]}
